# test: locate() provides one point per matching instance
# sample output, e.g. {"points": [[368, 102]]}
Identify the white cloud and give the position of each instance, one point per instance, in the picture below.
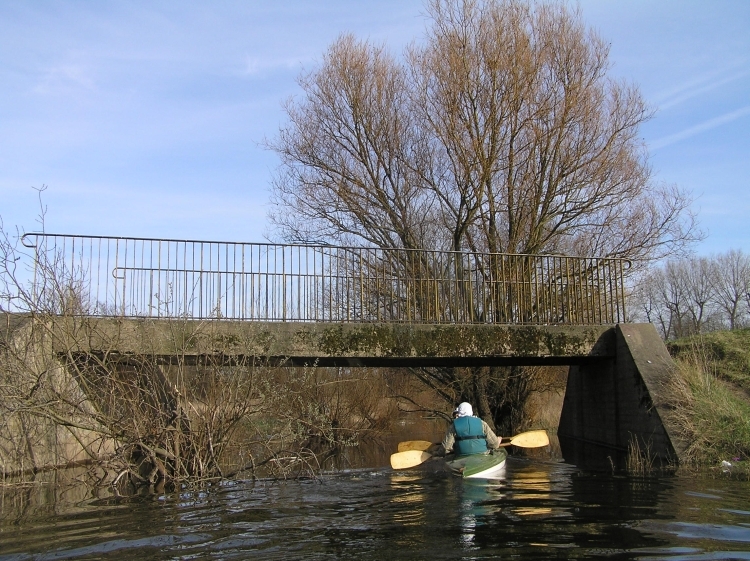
{"points": [[255, 65], [129, 110], [702, 127], [64, 79], [697, 87]]}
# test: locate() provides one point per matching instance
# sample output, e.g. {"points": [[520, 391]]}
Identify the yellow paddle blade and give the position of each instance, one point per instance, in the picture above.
{"points": [[414, 445], [530, 439], [409, 458]]}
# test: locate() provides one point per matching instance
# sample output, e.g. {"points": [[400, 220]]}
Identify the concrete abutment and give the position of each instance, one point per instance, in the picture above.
{"points": [[619, 402]]}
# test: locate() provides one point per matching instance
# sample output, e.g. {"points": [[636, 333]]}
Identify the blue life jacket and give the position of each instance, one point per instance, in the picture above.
{"points": [[470, 437]]}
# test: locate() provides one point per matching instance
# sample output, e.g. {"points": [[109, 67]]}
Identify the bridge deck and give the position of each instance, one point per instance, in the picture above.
{"points": [[324, 344]]}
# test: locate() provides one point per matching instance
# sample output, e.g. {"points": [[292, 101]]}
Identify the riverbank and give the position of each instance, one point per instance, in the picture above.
{"points": [[710, 400]]}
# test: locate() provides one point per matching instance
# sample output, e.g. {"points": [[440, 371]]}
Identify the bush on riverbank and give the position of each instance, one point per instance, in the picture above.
{"points": [[151, 406], [709, 400]]}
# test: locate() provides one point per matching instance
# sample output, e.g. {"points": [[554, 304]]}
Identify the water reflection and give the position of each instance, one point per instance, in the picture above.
{"points": [[408, 499], [532, 493], [478, 499], [537, 510]]}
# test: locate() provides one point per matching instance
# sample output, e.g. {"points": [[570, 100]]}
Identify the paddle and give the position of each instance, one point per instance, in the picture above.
{"points": [[414, 445], [409, 458], [412, 455], [530, 439]]}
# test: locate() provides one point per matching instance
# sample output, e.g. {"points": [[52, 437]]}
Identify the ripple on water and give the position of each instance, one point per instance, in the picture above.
{"points": [[718, 532], [539, 511]]}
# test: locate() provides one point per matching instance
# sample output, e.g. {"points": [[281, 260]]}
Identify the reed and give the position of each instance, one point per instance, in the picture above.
{"points": [[640, 459]]}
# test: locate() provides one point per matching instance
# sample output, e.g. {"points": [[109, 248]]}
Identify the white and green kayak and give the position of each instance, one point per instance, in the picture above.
{"points": [[478, 465], [414, 452]]}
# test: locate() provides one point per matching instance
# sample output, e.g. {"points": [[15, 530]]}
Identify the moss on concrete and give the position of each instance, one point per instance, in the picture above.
{"points": [[356, 341], [457, 340]]}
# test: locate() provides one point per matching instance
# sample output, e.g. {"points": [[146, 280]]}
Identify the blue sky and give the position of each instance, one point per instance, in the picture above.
{"points": [[146, 118]]}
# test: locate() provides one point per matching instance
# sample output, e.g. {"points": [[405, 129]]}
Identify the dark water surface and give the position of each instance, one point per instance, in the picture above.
{"points": [[539, 509]]}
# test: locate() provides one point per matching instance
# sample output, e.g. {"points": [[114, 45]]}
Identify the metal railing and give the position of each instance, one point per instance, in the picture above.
{"points": [[139, 277]]}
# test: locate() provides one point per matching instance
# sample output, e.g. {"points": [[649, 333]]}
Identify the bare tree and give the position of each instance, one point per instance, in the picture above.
{"points": [[695, 294], [698, 287], [652, 299], [683, 292], [69, 394], [732, 284], [345, 174], [500, 132]]}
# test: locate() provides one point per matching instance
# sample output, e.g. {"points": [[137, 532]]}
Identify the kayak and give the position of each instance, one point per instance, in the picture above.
{"points": [[479, 465]]}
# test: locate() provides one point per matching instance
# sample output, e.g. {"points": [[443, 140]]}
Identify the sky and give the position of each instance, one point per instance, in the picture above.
{"points": [[148, 118]]}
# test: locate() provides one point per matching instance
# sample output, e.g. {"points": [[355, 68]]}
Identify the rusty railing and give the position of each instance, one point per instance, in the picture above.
{"points": [[139, 277]]}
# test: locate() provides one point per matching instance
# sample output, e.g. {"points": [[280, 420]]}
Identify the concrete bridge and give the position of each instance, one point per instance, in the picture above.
{"points": [[614, 383], [332, 306]]}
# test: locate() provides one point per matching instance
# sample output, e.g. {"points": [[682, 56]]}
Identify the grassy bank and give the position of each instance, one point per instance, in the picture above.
{"points": [[710, 400]]}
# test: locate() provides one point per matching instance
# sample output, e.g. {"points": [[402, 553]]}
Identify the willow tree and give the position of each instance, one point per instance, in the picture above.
{"points": [[499, 132]]}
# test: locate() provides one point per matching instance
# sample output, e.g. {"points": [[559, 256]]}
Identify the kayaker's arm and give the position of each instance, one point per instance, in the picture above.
{"points": [[449, 440], [493, 441]]}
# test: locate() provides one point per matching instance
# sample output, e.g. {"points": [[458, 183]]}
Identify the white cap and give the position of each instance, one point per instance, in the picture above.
{"points": [[464, 410]]}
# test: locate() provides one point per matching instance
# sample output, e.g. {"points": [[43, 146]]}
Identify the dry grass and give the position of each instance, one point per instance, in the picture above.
{"points": [[725, 351], [711, 415], [640, 459]]}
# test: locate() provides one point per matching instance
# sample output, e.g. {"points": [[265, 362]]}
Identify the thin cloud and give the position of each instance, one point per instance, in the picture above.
{"points": [[701, 85], [697, 89], [702, 127], [255, 65], [65, 79]]}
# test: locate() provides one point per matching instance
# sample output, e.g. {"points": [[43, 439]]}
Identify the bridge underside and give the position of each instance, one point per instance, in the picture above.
{"points": [[612, 397]]}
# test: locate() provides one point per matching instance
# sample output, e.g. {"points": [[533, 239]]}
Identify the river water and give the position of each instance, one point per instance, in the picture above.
{"points": [[540, 508]]}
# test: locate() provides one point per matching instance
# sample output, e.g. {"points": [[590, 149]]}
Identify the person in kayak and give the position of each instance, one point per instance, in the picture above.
{"points": [[468, 434]]}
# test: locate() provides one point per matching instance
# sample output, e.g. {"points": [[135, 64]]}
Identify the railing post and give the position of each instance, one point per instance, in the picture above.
{"points": [[283, 284]]}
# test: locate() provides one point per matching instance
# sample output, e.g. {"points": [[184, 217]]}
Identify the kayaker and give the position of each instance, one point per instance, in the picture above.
{"points": [[468, 434]]}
